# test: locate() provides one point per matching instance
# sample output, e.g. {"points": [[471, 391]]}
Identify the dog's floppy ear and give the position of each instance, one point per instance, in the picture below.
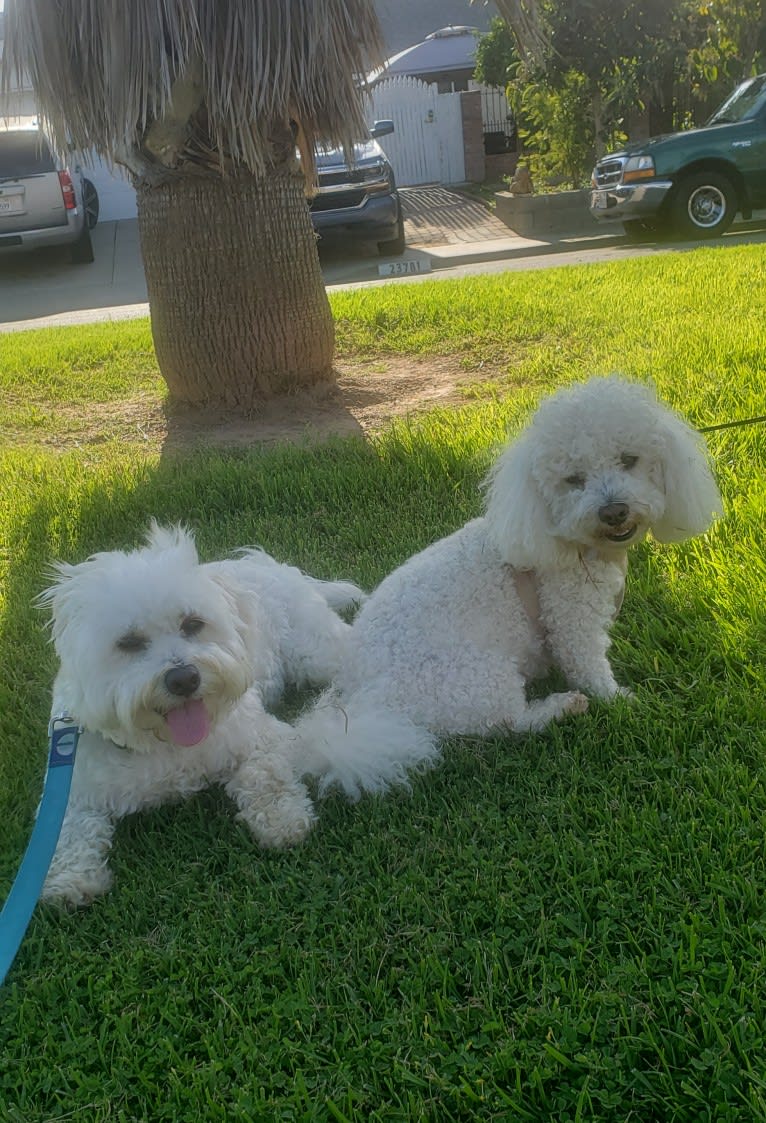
{"points": [[692, 499], [58, 596], [516, 515]]}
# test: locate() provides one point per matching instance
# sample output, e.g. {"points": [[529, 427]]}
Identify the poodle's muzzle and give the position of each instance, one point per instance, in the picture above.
{"points": [[616, 516]]}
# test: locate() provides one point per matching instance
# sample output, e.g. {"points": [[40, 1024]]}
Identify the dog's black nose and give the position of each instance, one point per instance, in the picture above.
{"points": [[614, 514], [183, 680]]}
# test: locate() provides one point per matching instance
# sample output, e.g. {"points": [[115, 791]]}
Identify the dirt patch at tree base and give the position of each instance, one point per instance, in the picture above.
{"points": [[365, 398]]}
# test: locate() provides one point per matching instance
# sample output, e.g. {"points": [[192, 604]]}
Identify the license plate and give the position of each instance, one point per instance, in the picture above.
{"points": [[10, 203], [599, 200], [404, 268]]}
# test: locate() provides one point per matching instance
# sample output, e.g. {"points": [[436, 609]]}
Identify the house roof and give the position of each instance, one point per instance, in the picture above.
{"points": [[405, 22], [450, 48]]}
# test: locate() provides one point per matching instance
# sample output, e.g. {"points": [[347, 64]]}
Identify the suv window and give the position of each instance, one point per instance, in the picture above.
{"points": [[23, 154]]}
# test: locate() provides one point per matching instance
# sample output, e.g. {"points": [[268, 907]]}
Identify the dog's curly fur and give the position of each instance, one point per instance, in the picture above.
{"points": [[170, 666], [452, 638]]}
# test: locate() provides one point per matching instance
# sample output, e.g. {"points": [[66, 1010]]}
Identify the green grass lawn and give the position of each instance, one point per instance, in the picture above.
{"points": [[568, 926]]}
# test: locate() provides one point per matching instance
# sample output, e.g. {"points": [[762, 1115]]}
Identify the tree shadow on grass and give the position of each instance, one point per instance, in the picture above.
{"points": [[339, 510]]}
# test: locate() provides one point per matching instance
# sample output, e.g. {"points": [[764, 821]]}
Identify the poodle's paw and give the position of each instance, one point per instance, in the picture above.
{"points": [[625, 692], [76, 890], [284, 823], [573, 703]]}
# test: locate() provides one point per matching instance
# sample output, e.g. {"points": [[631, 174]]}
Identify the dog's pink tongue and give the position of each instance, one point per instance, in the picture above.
{"points": [[188, 724]]}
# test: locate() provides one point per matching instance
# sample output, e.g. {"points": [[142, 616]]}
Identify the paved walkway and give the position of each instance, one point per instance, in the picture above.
{"points": [[436, 216]]}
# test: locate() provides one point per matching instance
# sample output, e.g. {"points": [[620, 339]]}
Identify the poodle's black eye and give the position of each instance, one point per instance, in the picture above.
{"points": [[191, 626], [132, 643], [575, 480], [628, 461]]}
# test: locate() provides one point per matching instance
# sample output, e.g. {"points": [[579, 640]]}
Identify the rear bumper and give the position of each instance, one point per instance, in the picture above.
{"points": [[48, 236], [633, 201], [376, 220]]}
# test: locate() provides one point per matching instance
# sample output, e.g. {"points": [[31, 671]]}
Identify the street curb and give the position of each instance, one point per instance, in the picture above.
{"points": [[453, 256]]}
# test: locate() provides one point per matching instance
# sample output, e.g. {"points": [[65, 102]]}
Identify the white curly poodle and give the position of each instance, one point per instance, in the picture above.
{"points": [[170, 667], [451, 639]]}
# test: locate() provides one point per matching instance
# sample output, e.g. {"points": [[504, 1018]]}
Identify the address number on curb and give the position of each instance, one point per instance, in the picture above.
{"points": [[403, 268]]}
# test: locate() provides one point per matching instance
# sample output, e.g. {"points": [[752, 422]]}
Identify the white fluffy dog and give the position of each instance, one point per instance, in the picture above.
{"points": [[453, 637], [169, 665]]}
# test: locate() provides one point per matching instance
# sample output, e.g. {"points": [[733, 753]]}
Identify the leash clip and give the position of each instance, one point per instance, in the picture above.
{"points": [[63, 733]]}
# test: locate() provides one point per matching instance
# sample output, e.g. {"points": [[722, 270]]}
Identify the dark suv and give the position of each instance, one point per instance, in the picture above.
{"points": [[42, 201], [359, 200], [692, 183]]}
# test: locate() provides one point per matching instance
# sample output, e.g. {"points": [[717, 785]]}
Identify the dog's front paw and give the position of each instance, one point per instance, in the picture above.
{"points": [[76, 890], [283, 823], [573, 703]]}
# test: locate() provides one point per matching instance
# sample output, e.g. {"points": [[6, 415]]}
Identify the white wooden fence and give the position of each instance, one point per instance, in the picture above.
{"points": [[426, 145]]}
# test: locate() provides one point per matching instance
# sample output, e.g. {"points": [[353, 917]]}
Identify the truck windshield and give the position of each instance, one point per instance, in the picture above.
{"points": [[741, 103]]}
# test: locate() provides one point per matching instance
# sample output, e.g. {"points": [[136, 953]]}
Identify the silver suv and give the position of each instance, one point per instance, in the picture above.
{"points": [[42, 201]]}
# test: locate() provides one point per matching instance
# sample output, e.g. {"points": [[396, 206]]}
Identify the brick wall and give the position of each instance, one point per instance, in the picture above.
{"points": [[473, 136], [496, 167]]}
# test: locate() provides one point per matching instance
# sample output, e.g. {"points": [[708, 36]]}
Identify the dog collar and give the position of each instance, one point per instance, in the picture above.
{"points": [[63, 734]]}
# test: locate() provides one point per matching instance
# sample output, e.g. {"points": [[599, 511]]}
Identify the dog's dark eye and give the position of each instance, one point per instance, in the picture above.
{"points": [[132, 642], [191, 626], [576, 480], [628, 461]]}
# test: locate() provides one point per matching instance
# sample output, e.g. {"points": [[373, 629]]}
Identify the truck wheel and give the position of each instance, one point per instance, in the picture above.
{"points": [[81, 251], [397, 245], [705, 205], [637, 232], [90, 203]]}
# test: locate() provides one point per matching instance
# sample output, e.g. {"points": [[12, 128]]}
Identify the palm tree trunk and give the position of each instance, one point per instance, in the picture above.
{"points": [[238, 305]]}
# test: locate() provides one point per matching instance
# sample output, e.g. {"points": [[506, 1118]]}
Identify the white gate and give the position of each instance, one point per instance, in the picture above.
{"points": [[426, 145]]}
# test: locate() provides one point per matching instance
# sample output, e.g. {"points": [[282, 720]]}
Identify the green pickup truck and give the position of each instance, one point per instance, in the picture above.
{"points": [[693, 183]]}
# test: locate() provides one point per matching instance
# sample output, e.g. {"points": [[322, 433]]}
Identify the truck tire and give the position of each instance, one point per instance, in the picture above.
{"points": [[636, 232], [81, 251], [704, 205], [90, 203], [397, 245]]}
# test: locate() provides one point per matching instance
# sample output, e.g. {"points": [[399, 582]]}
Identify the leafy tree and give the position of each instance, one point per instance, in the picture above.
{"points": [[556, 125], [594, 63], [729, 46], [496, 55], [204, 102]]}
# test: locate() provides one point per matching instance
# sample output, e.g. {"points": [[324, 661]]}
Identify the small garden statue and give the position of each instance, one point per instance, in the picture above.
{"points": [[521, 184]]}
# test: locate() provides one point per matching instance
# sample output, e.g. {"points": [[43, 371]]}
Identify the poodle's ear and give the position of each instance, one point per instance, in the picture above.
{"points": [[176, 538], [516, 515], [692, 499]]}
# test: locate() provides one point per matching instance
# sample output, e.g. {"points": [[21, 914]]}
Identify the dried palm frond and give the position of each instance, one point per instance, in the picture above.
{"points": [[526, 22], [145, 81]]}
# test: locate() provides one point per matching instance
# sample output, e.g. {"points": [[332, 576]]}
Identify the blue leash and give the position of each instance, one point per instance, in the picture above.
{"points": [[27, 886]]}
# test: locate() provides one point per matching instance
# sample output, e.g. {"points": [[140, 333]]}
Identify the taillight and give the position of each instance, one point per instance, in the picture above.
{"points": [[67, 190]]}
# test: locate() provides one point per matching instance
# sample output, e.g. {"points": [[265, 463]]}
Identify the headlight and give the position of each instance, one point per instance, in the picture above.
{"points": [[376, 178], [638, 167]]}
